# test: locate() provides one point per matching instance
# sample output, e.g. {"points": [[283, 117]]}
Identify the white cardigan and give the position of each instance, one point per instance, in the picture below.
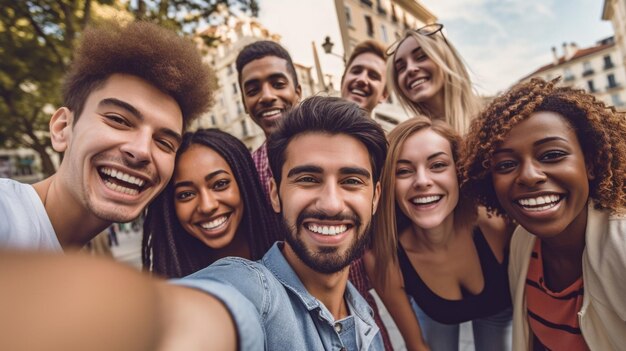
{"points": [[602, 316]]}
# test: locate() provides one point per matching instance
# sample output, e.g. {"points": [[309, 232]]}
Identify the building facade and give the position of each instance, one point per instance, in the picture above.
{"points": [[228, 112], [385, 21], [598, 69], [615, 11]]}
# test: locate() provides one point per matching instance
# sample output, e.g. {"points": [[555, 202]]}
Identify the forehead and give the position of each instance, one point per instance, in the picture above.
{"points": [[424, 143], [369, 60], [330, 152], [263, 68], [201, 160], [540, 125], [154, 106]]}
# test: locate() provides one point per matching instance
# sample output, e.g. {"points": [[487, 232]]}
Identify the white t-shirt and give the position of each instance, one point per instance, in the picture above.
{"points": [[24, 223]]}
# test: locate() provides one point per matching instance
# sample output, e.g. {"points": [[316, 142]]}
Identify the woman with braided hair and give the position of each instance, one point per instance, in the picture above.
{"points": [[213, 207], [554, 159]]}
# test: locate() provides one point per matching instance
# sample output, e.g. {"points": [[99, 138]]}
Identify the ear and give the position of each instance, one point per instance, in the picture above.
{"points": [[384, 96], [274, 198], [376, 198], [591, 175], [299, 92], [61, 128]]}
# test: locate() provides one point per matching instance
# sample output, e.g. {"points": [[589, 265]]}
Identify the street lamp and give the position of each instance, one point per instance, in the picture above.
{"points": [[327, 45]]}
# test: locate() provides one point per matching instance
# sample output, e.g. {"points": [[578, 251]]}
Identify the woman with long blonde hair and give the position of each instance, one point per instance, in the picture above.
{"points": [[429, 77], [436, 260]]}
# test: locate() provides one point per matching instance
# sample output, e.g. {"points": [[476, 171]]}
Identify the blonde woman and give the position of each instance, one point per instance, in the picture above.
{"points": [[429, 77], [436, 261]]}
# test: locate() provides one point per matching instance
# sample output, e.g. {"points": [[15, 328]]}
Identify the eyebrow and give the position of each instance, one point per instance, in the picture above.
{"points": [[318, 170], [206, 178], [135, 112], [273, 76], [436, 154], [536, 143]]}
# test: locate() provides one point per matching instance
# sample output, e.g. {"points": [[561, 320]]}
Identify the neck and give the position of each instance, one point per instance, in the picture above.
{"points": [[329, 289], [238, 247], [73, 224], [435, 107], [569, 244], [433, 239]]}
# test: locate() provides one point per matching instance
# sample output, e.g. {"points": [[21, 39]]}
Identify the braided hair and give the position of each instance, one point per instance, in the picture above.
{"points": [[168, 250]]}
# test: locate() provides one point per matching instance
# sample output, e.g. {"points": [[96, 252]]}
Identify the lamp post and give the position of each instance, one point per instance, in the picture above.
{"points": [[327, 45]]}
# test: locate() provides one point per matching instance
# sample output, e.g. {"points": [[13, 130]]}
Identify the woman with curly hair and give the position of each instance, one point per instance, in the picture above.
{"points": [[554, 159], [429, 77], [213, 207], [433, 245]]}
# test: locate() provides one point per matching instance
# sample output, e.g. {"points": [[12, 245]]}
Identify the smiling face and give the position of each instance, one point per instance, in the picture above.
{"points": [[540, 177], [327, 200], [206, 196], [426, 186], [268, 91], [364, 81], [120, 153], [418, 77]]}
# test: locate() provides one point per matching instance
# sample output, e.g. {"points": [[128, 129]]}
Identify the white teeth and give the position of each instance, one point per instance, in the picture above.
{"points": [[120, 189], [417, 82], [358, 92], [327, 229], [426, 199], [214, 223], [270, 113], [113, 173], [539, 203]]}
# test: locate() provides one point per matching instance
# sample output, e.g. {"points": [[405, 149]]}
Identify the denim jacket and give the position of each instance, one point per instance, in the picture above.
{"points": [[273, 310]]}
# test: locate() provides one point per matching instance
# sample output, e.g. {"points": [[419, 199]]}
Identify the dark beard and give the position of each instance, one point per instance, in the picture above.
{"points": [[327, 260]]}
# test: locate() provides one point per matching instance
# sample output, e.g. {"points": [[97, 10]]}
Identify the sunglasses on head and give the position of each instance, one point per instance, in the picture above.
{"points": [[427, 30]]}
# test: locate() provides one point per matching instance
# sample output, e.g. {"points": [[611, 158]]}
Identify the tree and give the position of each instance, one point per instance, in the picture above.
{"points": [[37, 38]]}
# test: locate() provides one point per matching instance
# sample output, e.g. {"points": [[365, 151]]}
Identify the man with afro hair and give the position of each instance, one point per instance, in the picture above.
{"points": [[128, 96]]}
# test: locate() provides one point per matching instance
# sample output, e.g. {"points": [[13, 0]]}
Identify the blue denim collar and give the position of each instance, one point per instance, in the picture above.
{"points": [[276, 263]]}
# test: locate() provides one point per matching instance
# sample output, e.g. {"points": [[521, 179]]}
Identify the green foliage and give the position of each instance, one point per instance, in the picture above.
{"points": [[36, 42]]}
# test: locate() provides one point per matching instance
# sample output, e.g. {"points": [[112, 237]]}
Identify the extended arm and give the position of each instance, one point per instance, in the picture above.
{"points": [[74, 302]]}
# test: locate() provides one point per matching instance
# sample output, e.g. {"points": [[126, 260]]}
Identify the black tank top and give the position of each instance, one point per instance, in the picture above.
{"points": [[494, 297]]}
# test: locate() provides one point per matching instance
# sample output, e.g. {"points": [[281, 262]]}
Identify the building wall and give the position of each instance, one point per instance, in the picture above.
{"points": [[592, 73], [228, 113], [615, 11]]}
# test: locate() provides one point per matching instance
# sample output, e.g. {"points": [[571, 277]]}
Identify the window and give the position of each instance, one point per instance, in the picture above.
{"points": [[213, 122], [611, 80], [587, 70], [348, 16], [229, 69], [234, 88], [370, 26], [367, 3], [394, 17], [239, 108], [380, 8], [590, 86], [383, 31], [568, 75], [607, 62]]}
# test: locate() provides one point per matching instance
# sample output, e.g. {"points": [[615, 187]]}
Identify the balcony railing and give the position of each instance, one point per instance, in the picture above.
{"points": [[588, 72]]}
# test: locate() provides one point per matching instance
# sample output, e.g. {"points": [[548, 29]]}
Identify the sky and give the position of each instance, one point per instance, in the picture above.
{"points": [[501, 41]]}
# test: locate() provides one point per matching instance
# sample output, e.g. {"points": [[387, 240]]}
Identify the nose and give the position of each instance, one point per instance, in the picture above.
{"points": [[361, 78], [412, 67], [207, 203], [530, 174], [422, 179], [330, 200], [268, 95], [136, 151]]}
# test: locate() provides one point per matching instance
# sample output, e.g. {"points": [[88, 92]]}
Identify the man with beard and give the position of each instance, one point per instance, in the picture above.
{"points": [[300, 289], [128, 96], [269, 89], [297, 297], [364, 80]]}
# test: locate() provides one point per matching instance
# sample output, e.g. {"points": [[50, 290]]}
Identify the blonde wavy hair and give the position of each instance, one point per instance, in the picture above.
{"points": [[461, 100]]}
